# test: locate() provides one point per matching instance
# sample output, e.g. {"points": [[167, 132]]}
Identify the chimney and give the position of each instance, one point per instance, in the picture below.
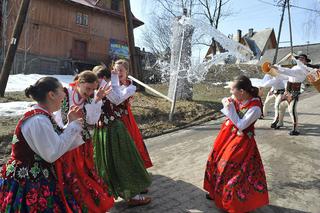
{"points": [[185, 11], [239, 36], [250, 33]]}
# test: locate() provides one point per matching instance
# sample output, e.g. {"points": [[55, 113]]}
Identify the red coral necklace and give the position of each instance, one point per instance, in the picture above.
{"points": [[74, 100]]}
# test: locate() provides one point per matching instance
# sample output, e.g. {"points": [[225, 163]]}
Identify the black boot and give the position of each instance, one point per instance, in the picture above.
{"points": [[277, 127], [294, 132], [274, 124], [208, 196]]}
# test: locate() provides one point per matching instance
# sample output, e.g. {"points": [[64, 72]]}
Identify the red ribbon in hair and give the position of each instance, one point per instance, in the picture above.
{"points": [[73, 84]]}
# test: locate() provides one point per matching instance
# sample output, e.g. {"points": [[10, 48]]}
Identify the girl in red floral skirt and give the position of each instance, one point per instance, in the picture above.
{"points": [[234, 175], [28, 180], [76, 169]]}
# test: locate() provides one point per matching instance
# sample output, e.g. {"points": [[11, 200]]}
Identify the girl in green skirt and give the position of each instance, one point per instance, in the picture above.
{"points": [[116, 157]]}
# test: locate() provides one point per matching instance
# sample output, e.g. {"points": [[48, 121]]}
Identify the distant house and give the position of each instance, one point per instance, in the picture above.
{"points": [[311, 50], [63, 36], [258, 42]]}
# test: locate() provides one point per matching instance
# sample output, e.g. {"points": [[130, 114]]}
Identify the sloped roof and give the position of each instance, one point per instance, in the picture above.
{"points": [[84, 2], [261, 38], [312, 50], [253, 46], [93, 5]]}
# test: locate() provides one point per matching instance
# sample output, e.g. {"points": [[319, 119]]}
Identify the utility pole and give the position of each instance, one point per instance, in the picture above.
{"points": [[279, 33], [4, 20], [289, 16], [130, 38], [4, 75]]}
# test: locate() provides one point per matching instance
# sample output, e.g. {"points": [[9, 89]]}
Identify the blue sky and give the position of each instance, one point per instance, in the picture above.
{"points": [[250, 14]]}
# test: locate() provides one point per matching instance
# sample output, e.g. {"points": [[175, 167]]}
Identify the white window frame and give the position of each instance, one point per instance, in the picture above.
{"points": [[82, 19]]}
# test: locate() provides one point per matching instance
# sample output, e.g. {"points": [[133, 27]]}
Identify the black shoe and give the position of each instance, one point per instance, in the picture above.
{"points": [[274, 125], [294, 132], [145, 191], [208, 197], [277, 127]]}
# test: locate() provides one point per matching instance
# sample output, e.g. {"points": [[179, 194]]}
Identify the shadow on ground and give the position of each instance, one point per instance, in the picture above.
{"points": [[277, 209], [173, 196]]}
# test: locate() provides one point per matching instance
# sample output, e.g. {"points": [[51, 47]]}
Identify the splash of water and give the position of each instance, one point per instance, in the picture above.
{"points": [[235, 52]]}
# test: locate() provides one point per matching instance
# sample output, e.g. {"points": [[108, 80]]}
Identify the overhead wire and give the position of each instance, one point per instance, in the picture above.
{"points": [[291, 5]]}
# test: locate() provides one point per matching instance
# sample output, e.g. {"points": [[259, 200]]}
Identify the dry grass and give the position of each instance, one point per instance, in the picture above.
{"points": [[152, 112], [14, 96]]}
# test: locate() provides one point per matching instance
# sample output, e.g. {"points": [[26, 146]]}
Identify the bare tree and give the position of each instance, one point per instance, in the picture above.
{"points": [[174, 7], [312, 24], [214, 11], [157, 35]]}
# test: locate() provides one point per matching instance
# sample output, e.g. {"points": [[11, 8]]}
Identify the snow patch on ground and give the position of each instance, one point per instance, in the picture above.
{"points": [[20, 82], [16, 108]]}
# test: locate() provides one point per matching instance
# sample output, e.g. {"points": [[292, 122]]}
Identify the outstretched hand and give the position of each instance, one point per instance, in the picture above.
{"points": [[102, 92], [75, 113], [115, 69]]}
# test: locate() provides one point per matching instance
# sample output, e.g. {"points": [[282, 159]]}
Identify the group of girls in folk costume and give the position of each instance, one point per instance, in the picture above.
{"points": [[277, 84], [56, 167], [234, 175], [117, 141], [52, 166], [76, 168], [28, 180]]}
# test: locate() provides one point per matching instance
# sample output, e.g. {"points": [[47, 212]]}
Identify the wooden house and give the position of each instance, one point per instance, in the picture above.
{"points": [[66, 36]]}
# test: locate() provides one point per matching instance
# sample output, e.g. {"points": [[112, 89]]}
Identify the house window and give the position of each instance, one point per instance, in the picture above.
{"points": [[79, 18], [82, 19], [85, 20], [115, 4]]}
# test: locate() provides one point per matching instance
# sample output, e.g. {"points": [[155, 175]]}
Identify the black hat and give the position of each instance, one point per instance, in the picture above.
{"points": [[303, 55]]}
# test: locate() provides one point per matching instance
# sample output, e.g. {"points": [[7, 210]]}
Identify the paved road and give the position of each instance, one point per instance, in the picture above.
{"points": [[292, 165]]}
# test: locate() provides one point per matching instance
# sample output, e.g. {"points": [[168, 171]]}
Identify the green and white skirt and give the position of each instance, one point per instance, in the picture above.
{"points": [[118, 162]]}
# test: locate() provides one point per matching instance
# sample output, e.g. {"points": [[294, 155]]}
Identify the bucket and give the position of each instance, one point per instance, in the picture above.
{"points": [[314, 79], [316, 84], [266, 68]]}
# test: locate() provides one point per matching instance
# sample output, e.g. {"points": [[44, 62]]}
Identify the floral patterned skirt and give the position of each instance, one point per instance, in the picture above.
{"points": [[234, 175], [30, 196], [76, 172]]}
